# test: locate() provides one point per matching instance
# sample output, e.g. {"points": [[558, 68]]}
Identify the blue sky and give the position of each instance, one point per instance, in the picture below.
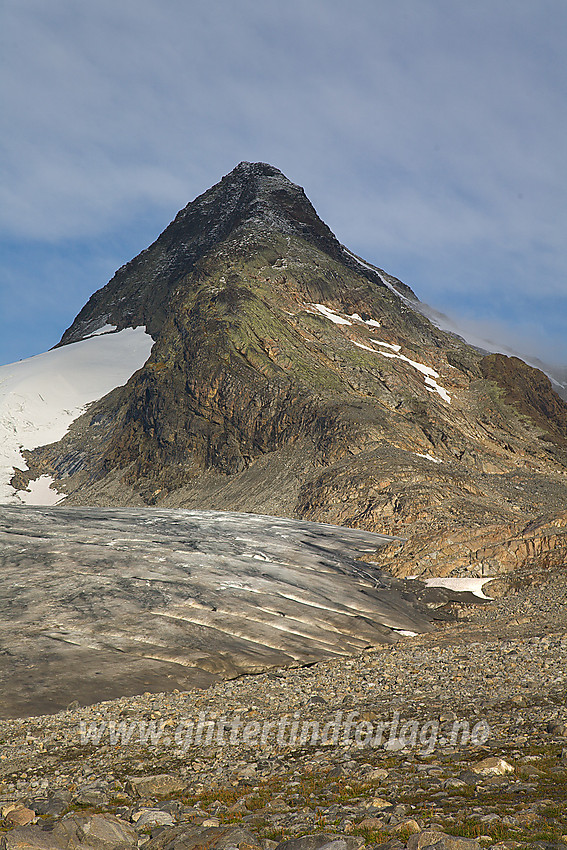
{"points": [[429, 135]]}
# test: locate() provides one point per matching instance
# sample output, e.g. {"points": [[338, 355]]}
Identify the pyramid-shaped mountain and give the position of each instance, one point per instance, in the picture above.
{"points": [[290, 377], [250, 207]]}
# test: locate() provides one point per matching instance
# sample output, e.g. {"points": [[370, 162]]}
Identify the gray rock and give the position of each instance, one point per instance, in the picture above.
{"points": [[392, 844], [322, 841], [213, 838], [557, 728], [51, 806], [91, 796], [32, 838], [441, 841], [493, 766], [151, 818], [97, 832], [20, 816], [161, 785]]}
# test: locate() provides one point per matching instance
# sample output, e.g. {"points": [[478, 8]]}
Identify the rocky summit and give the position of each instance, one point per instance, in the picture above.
{"points": [[290, 377]]}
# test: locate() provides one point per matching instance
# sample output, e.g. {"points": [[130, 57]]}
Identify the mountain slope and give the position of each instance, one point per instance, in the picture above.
{"points": [[290, 377]]}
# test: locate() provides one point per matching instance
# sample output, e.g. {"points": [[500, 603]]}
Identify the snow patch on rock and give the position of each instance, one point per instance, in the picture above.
{"points": [[428, 457], [430, 374], [372, 323], [332, 315]]}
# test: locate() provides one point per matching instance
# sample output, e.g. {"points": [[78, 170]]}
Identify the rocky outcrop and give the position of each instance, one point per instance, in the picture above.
{"points": [[491, 550], [530, 391]]}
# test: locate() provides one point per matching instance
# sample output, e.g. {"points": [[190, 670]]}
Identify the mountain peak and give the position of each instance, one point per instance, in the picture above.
{"points": [[260, 195], [257, 169], [288, 376], [253, 204], [254, 198]]}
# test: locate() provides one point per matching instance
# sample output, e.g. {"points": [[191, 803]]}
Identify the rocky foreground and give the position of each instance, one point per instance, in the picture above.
{"points": [[455, 739]]}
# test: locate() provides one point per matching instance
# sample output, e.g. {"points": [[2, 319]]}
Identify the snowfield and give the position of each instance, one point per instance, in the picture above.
{"points": [[40, 397]]}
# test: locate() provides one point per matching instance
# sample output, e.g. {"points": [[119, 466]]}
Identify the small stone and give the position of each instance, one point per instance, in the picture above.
{"points": [[408, 825], [491, 817], [493, 766], [52, 806], [527, 817], [394, 745], [371, 823], [152, 818], [377, 774], [557, 728], [91, 796], [322, 841], [9, 807], [454, 783], [527, 771], [379, 803], [20, 816], [392, 844]]}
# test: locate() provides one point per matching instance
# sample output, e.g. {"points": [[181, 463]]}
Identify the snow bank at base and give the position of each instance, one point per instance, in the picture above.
{"points": [[41, 396], [461, 585], [39, 492]]}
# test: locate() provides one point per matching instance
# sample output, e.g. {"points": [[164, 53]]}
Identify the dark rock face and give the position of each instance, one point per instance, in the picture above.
{"points": [[287, 377]]}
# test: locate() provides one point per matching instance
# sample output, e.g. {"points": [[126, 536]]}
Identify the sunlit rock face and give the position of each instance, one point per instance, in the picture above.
{"points": [[100, 603]]}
